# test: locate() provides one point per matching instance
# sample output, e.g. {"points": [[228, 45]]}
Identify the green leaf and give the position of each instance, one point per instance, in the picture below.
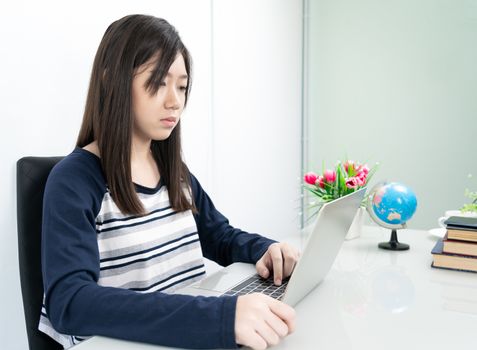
{"points": [[342, 178]]}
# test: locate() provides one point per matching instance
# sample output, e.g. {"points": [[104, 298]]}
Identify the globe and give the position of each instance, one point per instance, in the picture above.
{"points": [[391, 205]]}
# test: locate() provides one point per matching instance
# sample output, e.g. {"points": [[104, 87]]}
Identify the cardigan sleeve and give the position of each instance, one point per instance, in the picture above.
{"points": [[220, 241], [77, 305]]}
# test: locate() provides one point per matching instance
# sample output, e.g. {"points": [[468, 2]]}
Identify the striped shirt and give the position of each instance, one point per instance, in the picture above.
{"points": [[112, 274]]}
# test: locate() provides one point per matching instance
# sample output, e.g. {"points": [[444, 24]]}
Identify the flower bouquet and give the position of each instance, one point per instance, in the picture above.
{"points": [[344, 179]]}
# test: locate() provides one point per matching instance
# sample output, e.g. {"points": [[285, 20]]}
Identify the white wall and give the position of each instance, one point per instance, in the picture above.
{"points": [[240, 131], [256, 111], [395, 82]]}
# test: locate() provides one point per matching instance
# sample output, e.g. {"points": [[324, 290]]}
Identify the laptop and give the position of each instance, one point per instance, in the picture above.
{"points": [[320, 250]]}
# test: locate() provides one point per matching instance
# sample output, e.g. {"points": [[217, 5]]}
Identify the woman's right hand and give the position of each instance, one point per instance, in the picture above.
{"points": [[261, 321]]}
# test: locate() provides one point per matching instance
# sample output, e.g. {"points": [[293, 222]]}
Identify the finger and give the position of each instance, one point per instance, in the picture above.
{"points": [[277, 263], [261, 267], [255, 341], [288, 266], [267, 333], [285, 312], [289, 260], [278, 325]]}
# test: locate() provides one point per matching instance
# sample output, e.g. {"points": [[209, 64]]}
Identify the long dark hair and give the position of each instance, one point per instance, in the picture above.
{"points": [[127, 44]]}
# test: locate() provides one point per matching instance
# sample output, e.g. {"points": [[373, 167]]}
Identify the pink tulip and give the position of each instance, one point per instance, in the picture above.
{"points": [[320, 181], [361, 180], [348, 163], [352, 182], [362, 173], [310, 178], [362, 177], [364, 169], [330, 175]]}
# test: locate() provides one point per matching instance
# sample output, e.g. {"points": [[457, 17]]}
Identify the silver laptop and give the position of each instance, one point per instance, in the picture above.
{"points": [[322, 246]]}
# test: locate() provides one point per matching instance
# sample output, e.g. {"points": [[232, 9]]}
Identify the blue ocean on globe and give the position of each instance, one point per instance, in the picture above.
{"points": [[394, 203]]}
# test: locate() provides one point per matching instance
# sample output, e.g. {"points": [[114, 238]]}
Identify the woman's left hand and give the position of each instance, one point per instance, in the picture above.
{"points": [[280, 258]]}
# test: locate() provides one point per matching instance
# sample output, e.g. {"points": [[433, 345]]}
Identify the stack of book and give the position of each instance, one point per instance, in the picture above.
{"points": [[458, 249]]}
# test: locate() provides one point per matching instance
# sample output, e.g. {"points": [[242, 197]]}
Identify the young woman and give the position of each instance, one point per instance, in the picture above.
{"points": [[125, 223]]}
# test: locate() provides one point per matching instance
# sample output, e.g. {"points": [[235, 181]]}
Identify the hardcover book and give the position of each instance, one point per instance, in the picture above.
{"points": [[462, 235], [452, 261], [461, 223], [459, 247]]}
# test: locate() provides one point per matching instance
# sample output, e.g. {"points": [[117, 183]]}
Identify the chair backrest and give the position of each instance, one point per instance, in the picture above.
{"points": [[32, 173]]}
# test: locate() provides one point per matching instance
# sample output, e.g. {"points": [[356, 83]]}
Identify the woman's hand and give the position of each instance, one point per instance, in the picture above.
{"points": [[280, 258], [261, 321]]}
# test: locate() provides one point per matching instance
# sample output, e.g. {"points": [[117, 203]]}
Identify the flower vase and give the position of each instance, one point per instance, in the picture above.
{"points": [[357, 224]]}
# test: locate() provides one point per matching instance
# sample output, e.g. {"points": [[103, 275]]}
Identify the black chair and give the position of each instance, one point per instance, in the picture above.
{"points": [[32, 173]]}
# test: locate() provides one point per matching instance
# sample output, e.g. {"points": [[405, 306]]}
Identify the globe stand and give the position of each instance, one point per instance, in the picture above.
{"points": [[393, 243]]}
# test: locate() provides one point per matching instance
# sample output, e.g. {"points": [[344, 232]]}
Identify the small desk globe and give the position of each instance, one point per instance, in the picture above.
{"points": [[392, 205]]}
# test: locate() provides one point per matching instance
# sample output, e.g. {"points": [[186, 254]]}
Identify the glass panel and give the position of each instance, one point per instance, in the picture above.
{"points": [[395, 82]]}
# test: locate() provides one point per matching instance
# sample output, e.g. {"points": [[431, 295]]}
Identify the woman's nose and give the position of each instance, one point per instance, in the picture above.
{"points": [[172, 100]]}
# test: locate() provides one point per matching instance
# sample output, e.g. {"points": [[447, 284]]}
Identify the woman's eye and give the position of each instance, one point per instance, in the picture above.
{"points": [[183, 88]]}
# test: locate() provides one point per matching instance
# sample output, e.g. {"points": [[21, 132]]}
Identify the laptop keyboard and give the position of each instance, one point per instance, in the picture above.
{"points": [[257, 284]]}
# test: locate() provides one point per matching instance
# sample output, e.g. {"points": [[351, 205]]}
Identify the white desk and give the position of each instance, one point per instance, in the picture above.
{"points": [[376, 299]]}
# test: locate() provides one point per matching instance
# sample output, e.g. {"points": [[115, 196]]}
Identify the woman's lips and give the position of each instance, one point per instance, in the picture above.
{"points": [[171, 121]]}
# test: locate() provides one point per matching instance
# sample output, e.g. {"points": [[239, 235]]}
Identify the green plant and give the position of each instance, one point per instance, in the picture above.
{"points": [[472, 206]]}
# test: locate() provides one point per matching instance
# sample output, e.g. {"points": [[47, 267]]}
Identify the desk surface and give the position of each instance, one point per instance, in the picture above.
{"points": [[375, 299]]}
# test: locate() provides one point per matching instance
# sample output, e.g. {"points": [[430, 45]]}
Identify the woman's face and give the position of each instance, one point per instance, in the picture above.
{"points": [[156, 116]]}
